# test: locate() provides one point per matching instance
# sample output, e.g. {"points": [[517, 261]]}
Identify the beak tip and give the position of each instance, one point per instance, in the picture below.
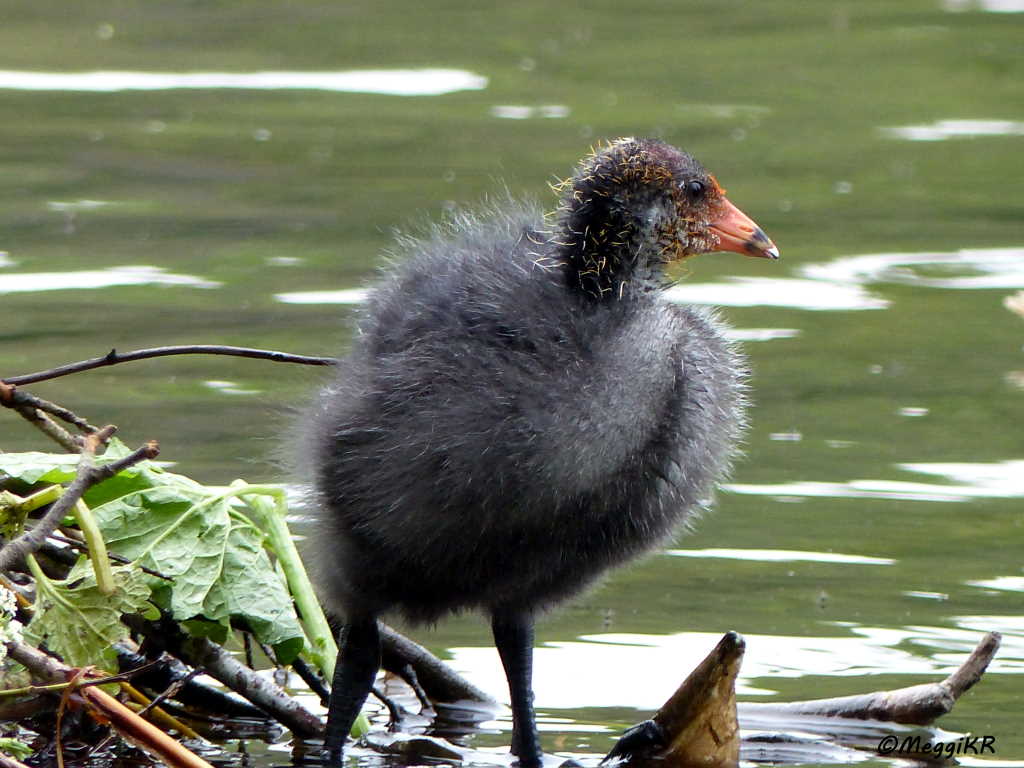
{"points": [[772, 253]]}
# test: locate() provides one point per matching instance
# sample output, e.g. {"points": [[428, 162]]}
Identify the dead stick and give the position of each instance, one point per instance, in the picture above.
{"points": [[439, 681], [915, 705], [9, 393], [21, 403], [221, 665], [113, 357]]}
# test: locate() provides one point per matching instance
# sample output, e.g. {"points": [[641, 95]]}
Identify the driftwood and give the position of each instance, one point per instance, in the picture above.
{"points": [[700, 723], [916, 705]]}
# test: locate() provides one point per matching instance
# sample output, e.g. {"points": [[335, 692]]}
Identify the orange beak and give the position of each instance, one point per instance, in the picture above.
{"points": [[737, 232]]}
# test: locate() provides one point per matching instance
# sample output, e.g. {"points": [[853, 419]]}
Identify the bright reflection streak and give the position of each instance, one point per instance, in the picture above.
{"points": [[564, 672], [343, 296], [777, 292], [1004, 478], [524, 112], [1000, 480], [998, 268], [395, 82], [28, 282], [856, 489], [761, 334], [941, 130], [781, 556], [1007, 583], [992, 6], [229, 388]]}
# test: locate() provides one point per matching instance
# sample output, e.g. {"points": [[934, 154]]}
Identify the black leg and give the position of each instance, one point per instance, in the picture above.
{"points": [[513, 636], [358, 662]]}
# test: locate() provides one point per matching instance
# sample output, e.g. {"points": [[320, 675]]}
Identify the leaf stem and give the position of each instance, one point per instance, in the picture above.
{"points": [[97, 548]]}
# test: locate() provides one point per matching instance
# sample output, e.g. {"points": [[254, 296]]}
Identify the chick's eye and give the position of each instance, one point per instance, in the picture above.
{"points": [[694, 189]]}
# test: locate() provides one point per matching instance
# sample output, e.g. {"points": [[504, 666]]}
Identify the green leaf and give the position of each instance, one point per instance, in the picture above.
{"points": [[215, 556], [196, 536], [218, 633], [80, 623], [33, 467], [174, 534], [251, 588]]}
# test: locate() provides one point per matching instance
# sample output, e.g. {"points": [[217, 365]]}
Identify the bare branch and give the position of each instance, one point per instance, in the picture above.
{"points": [[28, 407], [221, 665], [87, 476], [114, 357]]}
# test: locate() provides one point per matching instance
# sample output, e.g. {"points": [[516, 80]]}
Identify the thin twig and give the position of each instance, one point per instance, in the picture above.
{"points": [[114, 357], [87, 476], [27, 407], [18, 397]]}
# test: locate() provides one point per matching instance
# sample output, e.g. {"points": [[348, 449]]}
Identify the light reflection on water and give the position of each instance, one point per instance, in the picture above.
{"points": [[992, 268], [780, 556], [27, 282], [942, 130], [992, 6], [1007, 583], [525, 112], [789, 292], [230, 388], [564, 671], [394, 82], [1002, 480]]}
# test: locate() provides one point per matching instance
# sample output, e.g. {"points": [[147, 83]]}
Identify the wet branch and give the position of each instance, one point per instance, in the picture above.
{"points": [[126, 722], [113, 357], [914, 705], [221, 665]]}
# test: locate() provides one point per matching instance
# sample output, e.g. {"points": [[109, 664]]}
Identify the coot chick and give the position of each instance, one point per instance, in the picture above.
{"points": [[522, 410]]}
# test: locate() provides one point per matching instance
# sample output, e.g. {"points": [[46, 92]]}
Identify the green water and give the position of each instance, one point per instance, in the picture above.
{"points": [[785, 102]]}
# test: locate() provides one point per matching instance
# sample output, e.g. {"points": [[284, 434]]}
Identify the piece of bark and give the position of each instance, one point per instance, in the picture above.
{"points": [[697, 726]]}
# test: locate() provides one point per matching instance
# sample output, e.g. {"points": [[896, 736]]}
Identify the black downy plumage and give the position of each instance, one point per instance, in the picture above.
{"points": [[522, 409]]}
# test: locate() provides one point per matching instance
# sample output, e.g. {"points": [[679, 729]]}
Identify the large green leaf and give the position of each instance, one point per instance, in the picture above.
{"points": [[79, 622], [33, 467], [250, 587], [215, 558], [216, 567]]}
